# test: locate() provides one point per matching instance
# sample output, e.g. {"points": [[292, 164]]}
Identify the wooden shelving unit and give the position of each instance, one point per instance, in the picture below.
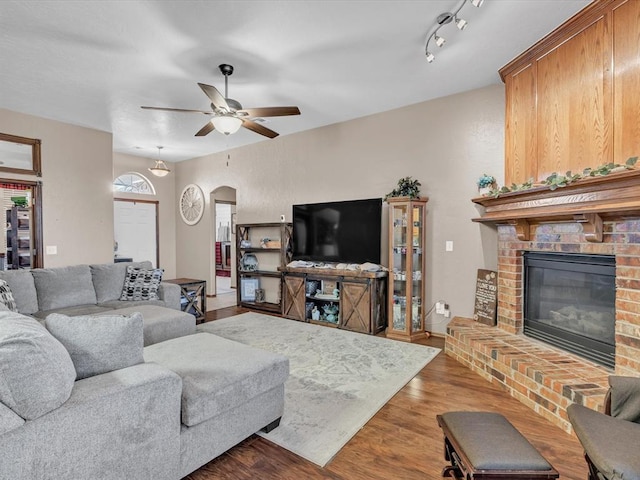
{"points": [[269, 260], [19, 247]]}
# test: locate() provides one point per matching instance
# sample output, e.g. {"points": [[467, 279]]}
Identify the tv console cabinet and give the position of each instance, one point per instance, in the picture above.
{"points": [[358, 298]]}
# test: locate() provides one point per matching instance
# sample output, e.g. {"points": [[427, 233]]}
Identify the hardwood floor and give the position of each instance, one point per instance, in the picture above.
{"points": [[403, 440]]}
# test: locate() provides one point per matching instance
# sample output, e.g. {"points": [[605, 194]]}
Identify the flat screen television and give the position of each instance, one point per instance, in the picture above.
{"points": [[344, 232]]}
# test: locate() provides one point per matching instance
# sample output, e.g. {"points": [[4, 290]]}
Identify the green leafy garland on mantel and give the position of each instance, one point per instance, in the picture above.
{"points": [[556, 180]]}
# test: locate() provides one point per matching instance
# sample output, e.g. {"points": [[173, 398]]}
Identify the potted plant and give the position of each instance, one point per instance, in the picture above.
{"points": [[485, 184], [406, 188]]}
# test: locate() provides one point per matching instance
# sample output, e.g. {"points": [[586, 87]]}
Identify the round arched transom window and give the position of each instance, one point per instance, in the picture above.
{"points": [[133, 183]]}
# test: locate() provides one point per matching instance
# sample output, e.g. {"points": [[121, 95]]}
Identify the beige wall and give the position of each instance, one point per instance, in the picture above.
{"points": [[165, 195], [77, 193], [445, 143]]}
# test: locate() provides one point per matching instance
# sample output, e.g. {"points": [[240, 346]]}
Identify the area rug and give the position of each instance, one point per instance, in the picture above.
{"points": [[338, 381]]}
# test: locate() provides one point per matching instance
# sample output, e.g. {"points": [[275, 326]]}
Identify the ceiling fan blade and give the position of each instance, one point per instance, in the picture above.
{"points": [[206, 130], [215, 96], [256, 127], [177, 110], [269, 111]]}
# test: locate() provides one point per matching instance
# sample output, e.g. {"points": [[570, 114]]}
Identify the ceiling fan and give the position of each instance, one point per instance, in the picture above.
{"points": [[228, 115]]}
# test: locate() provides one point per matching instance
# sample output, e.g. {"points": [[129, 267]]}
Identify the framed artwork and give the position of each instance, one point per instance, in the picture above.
{"points": [[248, 287]]}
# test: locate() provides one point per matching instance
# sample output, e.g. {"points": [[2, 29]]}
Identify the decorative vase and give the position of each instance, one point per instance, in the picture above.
{"points": [[484, 191]]}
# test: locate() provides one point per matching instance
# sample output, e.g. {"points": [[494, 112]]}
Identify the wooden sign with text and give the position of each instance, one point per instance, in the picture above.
{"points": [[486, 302]]}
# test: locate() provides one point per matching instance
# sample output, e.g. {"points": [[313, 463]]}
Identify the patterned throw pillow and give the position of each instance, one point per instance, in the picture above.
{"points": [[141, 284], [6, 297]]}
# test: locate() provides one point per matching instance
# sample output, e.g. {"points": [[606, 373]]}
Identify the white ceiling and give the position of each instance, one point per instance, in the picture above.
{"points": [[94, 63]]}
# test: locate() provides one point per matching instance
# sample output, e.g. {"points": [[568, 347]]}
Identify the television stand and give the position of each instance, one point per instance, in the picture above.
{"points": [[359, 299]]}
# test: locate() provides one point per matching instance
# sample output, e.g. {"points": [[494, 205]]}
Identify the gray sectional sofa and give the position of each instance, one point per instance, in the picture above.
{"points": [[82, 397], [94, 290]]}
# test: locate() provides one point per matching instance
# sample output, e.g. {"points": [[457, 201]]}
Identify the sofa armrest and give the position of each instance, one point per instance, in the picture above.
{"points": [[121, 424], [610, 443], [170, 294], [624, 395]]}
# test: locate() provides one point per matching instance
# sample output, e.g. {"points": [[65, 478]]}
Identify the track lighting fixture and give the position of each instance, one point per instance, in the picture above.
{"points": [[444, 19]]}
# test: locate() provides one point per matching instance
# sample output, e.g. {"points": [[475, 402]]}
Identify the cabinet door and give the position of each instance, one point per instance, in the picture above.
{"points": [[294, 297], [575, 103], [520, 126], [355, 307], [626, 27]]}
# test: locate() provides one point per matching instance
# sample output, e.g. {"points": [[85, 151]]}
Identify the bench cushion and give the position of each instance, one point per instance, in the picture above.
{"points": [[490, 442], [217, 374]]}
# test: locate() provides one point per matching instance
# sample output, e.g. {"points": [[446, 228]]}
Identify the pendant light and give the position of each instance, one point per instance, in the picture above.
{"points": [[160, 169]]}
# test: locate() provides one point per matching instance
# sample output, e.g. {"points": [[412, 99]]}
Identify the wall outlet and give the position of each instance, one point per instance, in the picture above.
{"points": [[448, 246], [51, 249]]}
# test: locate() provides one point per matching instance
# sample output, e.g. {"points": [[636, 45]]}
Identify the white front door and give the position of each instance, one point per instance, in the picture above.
{"points": [[135, 230]]}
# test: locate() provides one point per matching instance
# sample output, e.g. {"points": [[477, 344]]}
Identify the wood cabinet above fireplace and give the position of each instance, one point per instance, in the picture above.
{"points": [[571, 99]]}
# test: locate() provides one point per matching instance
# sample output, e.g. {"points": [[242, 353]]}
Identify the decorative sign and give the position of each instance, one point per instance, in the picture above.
{"points": [[486, 297]]}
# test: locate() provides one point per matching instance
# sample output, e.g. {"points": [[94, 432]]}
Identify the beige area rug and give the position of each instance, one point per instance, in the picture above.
{"points": [[338, 381]]}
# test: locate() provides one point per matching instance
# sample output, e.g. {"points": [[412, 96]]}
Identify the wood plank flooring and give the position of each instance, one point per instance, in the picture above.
{"points": [[403, 440]]}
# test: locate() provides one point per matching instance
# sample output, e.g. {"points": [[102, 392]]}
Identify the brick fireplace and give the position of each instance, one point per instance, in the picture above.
{"points": [[599, 216]]}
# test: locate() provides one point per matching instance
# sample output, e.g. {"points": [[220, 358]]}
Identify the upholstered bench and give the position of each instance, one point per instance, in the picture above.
{"points": [[484, 445]]}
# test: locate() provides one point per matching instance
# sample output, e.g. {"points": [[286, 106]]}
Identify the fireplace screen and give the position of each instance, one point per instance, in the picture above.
{"points": [[570, 303]]}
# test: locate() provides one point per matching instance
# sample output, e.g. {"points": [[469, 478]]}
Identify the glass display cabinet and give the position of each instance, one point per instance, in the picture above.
{"points": [[406, 268]]}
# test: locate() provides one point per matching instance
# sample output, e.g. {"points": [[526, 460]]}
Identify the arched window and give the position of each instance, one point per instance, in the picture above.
{"points": [[133, 183]]}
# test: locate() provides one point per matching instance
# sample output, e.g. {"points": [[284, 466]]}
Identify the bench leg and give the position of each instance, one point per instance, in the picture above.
{"points": [[272, 425], [451, 471]]}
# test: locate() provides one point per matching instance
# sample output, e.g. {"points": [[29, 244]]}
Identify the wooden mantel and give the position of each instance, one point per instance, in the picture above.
{"points": [[586, 201]]}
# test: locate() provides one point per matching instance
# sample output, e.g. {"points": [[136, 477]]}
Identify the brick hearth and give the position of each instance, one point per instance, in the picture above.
{"points": [[541, 376]]}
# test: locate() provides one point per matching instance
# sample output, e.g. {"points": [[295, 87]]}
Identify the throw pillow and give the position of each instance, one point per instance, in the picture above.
{"points": [[101, 343], [36, 371], [6, 297], [140, 284]]}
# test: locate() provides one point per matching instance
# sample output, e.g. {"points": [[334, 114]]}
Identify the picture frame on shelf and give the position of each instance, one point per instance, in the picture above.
{"points": [[248, 287]]}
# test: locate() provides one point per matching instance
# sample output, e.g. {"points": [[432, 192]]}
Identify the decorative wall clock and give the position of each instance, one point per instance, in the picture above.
{"points": [[191, 204]]}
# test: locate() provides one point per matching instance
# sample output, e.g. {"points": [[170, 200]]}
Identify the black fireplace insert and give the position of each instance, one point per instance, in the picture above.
{"points": [[569, 302]]}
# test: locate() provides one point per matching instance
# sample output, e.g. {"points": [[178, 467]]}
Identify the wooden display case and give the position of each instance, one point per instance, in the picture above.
{"points": [[406, 268]]}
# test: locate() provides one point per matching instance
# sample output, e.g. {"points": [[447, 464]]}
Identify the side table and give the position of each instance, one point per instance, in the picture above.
{"points": [[193, 296]]}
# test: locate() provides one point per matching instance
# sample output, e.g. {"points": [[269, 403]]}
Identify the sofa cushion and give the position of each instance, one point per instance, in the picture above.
{"points": [[8, 419], [64, 287], [99, 344], [161, 323], [115, 304], [217, 374], [36, 371], [23, 289], [141, 284], [74, 311], [6, 297], [108, 279]]}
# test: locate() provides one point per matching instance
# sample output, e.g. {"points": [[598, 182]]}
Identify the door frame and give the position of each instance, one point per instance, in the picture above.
{"points": [[157, 204], [36, 196]]}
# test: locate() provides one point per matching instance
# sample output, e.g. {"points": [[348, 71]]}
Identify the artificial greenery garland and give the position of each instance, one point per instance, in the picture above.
{"points": [[556, 180]]}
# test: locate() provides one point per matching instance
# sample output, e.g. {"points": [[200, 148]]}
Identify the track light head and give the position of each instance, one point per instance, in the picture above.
{"points": [[439, 40], [461, 23], [477, 3], [430, 57]]}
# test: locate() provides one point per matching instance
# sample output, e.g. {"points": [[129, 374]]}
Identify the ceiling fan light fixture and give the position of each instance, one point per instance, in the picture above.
{"points": [[226, 124], [159, 169]]}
